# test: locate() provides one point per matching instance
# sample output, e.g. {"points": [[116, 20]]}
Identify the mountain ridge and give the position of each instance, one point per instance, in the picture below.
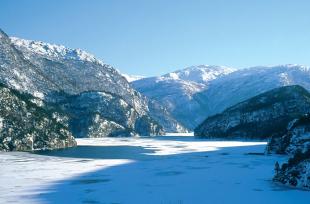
{"points": [[259, 117]]}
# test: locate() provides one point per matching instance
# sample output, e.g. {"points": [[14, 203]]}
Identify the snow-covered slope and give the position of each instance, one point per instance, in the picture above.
{"points": [[246, 83], [19, 73], [175, 90], [131, 78], [53, 51]]}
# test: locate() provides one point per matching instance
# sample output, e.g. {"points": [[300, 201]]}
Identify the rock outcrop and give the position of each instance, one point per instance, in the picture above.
{"points": [[28, 123], [295, 143]]}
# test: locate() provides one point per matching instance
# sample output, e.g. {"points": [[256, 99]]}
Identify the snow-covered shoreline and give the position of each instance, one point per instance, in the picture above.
{"points": [[145, 170]]}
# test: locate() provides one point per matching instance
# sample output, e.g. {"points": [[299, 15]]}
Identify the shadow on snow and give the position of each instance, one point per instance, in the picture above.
{"points": [[200, 177]]}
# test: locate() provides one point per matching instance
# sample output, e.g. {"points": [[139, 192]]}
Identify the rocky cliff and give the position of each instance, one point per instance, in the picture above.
{"points": [[100, 114]]}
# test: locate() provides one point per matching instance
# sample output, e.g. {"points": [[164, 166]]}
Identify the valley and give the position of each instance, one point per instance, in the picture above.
{"points": [[74, 129]]}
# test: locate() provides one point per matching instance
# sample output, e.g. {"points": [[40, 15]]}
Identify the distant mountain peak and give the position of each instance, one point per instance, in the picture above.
{"points": [[53, 51], [199, 74]]}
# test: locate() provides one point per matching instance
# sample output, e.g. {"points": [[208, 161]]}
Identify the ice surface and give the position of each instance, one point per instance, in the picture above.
{"points": [[167, 170]]}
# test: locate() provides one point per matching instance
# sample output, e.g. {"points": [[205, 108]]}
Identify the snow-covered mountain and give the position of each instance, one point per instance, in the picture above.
{"points": [[175, 90], [194, 93], [77, 71], [246, 83], [202, 74], [57, 74]]}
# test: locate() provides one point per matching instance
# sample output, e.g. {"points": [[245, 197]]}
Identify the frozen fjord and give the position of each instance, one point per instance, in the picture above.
{"points": [[145, 170]]}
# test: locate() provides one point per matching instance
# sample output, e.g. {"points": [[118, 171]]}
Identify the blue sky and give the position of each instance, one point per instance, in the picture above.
{"points": [[152, 37]]}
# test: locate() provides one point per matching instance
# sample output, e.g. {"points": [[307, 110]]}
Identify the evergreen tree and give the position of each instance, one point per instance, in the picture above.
{"points": [[277, 168]]}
